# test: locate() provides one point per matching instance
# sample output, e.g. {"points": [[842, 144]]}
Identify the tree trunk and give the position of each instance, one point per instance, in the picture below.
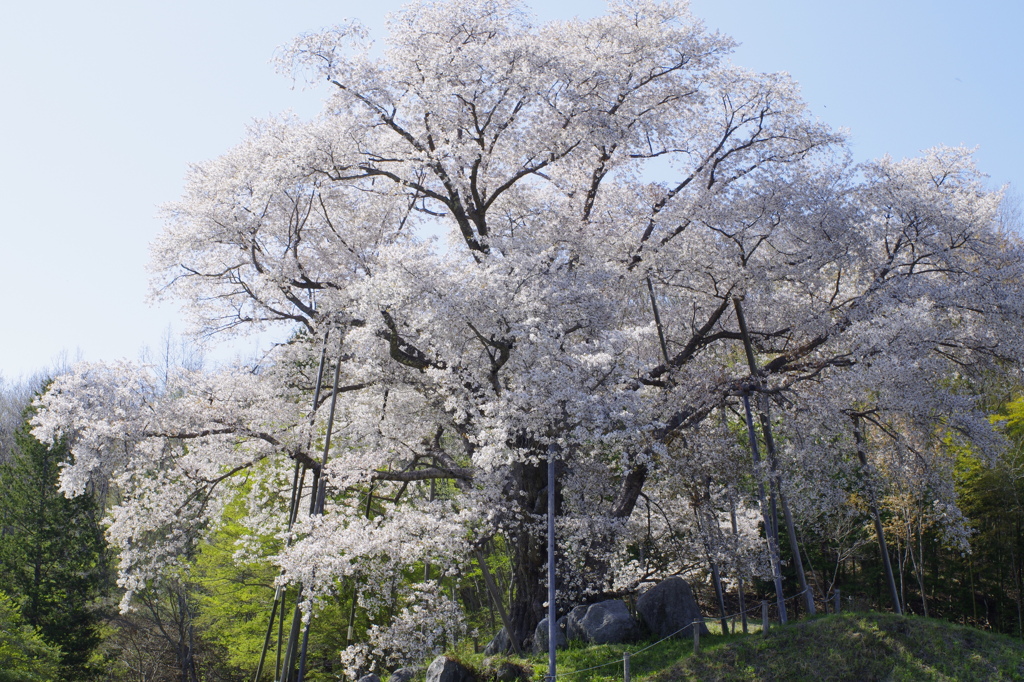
{"points": [[529, 549], [529, 554]]}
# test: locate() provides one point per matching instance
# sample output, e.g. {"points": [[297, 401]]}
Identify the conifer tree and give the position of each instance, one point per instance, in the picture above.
{"points": [[24, 656], [50, 550]]}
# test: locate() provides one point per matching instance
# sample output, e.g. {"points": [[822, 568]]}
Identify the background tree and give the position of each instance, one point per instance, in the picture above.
{"points": [[50, 551], [14, 398], [25, 656]]}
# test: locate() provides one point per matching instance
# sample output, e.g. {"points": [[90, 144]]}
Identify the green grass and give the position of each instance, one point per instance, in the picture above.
{"points": [[858, 646], [850, 646]]}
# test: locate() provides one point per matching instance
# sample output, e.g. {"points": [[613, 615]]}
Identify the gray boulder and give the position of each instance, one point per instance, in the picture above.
{"points": [[369, 678], [498, 670], [669, 607], [540, 636], [499, 645], [403, 675], [607, 622], [445, 669], [510, 672]]}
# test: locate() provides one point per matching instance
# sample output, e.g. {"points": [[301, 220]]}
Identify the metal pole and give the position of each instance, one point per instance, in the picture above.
{"points": [[625, 667], [696, 635], [705, 533], [764, 617], [280, 634], [717, 579], [748, 347], [657, 322], [305, 644], [552, 625]]}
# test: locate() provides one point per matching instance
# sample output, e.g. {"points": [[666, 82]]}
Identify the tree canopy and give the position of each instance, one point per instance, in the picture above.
{"points": [[531, 240]]}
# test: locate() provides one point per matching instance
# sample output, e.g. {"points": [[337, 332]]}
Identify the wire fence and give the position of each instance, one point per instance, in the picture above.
{"points": [[624, 660]]}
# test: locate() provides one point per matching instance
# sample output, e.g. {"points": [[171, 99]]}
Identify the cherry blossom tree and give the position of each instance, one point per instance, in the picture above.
{"points": [[526, 239]]}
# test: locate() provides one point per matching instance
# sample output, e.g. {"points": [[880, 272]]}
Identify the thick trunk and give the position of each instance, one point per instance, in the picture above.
{"points": [[528, 545], [598, 576], [529, 554], [529, 589]]}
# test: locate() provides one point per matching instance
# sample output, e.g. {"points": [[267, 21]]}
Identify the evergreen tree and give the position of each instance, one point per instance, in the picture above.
{"points": [[24, 655], [50, 550]]}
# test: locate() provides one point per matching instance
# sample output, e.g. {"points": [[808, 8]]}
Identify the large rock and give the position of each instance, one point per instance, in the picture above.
{"points": [[499, 645], [445, 669], [510, 672], [607, 622], [540, 636], [372, 677], [669, 607], [404, 675]]}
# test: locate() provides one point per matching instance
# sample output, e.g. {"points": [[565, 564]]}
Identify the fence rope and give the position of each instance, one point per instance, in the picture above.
{"points": [[619, 660]]}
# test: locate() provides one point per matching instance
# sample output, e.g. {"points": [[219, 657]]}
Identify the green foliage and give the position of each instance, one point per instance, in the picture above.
{"points": [[50, 551], [1013, 416], [24, 655], [234, 600], [991, 495]]}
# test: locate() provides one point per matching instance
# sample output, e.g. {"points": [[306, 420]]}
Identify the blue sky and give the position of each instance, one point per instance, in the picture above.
{"points": [[105, 103]]}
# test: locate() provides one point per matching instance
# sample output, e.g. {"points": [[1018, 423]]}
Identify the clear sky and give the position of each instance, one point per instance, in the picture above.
{"points": [[104, 103]]}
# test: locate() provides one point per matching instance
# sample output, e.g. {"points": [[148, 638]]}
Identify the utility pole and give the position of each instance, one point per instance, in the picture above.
{"points": [[552, 626]]}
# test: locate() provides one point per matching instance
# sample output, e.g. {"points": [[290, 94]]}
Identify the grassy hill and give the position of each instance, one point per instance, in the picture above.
{"points": [[862, 647], [852, 646]]}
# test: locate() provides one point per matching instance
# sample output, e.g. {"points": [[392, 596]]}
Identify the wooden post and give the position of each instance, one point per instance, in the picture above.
{"points": [[496, 596], [835, 597], [771, 533], [704, 529], [736, 532], [696, 635], [764, 617], [858, 437], [774, 481], [625, 667], [318, 494], [270, 631]]}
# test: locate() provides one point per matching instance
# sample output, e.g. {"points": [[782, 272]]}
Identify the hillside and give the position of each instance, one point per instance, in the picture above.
{"points": [[858, 646]]}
